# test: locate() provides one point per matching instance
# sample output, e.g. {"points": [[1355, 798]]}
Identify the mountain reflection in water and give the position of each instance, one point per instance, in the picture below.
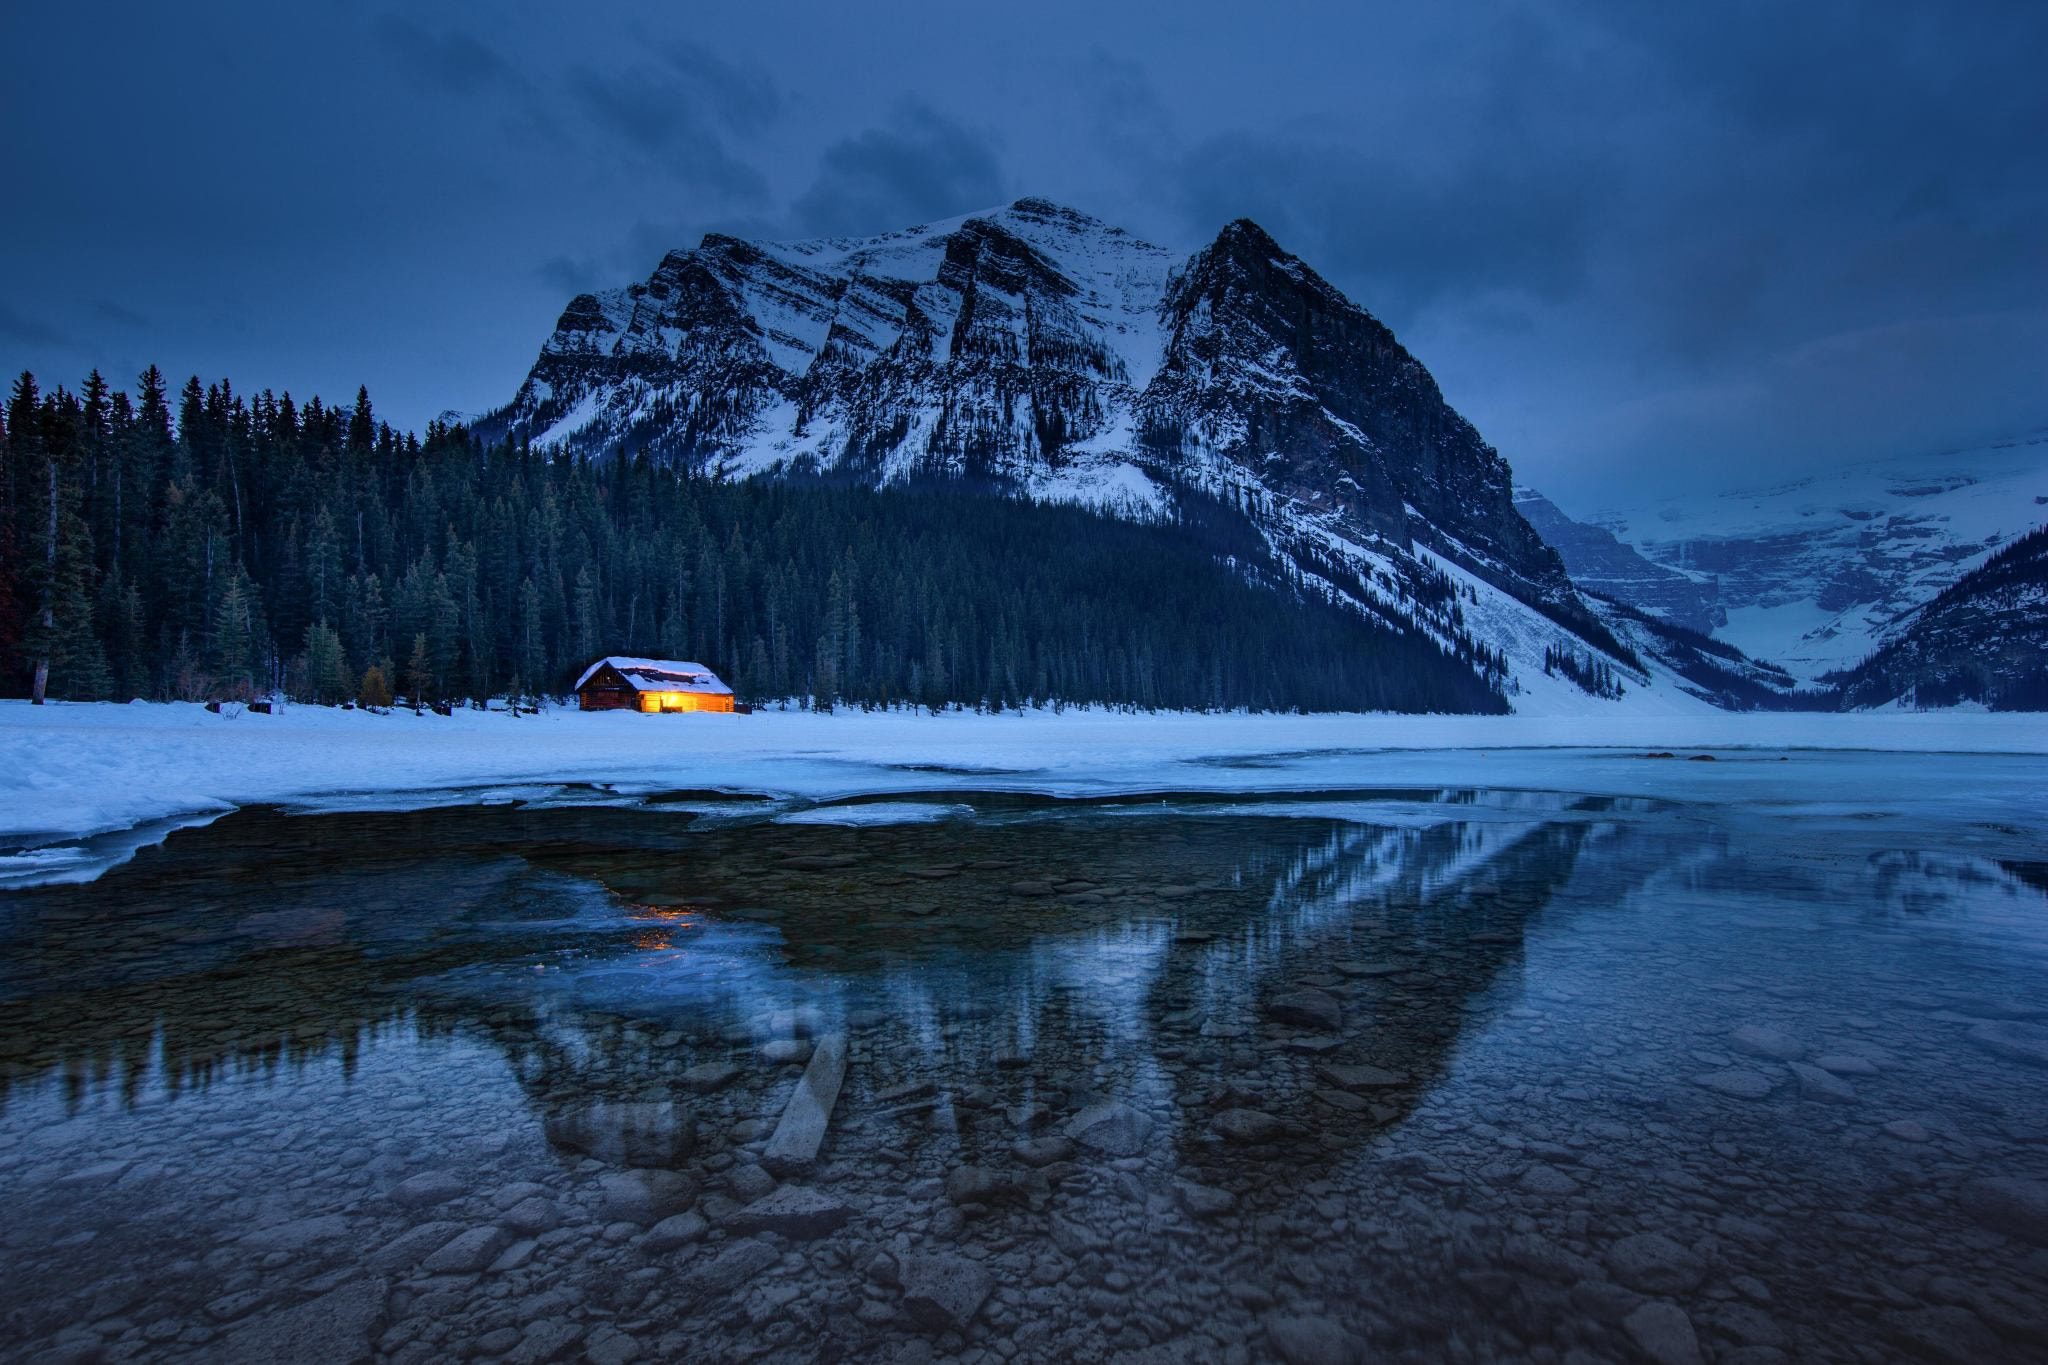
{"points": [[1175, 1074]]}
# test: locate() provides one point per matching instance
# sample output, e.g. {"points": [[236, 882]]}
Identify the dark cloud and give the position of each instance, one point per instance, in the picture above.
{"points": [[1633, 242], [920, 166], [741, 96], [120, 314], [19, 328], [570, 276], [652, 115], [1401, 235], [1132, 125], [458, 63]]}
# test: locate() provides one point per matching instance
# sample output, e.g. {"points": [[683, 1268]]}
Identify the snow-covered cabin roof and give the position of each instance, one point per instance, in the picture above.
{"points": [[659, 675]]}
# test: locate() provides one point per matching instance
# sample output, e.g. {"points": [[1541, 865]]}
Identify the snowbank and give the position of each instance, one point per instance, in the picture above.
{"points": [[72, 771]]}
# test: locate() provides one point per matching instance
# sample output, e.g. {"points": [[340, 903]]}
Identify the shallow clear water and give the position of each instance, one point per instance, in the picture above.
{"points": [[1414, 1074]]}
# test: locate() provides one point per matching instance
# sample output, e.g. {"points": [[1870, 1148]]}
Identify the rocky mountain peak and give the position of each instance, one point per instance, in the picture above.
{"points": [[1034, 351]]}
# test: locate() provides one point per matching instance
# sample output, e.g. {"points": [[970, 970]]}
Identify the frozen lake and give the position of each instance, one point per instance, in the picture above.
{"points": [[1354, 1070]]}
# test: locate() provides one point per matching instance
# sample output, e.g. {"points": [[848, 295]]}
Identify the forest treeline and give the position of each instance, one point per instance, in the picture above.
{"points": [[209, 545]]}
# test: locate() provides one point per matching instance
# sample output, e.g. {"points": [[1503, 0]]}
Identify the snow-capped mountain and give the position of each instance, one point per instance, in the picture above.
{"points": [[1036, 352], [1817, 573]]}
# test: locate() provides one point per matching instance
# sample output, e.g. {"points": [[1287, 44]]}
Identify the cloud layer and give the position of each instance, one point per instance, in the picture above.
{"points": [[1642, 246]]}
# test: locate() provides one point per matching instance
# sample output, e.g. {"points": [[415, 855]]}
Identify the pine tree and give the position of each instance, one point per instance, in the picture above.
{"points": [[78, 660], [326, 665], [589, 626], [127, 641], [419, 672], [322, 564], [24, 420], [236, 648], [13, 607]]}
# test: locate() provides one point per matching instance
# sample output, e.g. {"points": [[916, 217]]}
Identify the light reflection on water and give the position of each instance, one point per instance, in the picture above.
{"points": [[1483, 1040]]}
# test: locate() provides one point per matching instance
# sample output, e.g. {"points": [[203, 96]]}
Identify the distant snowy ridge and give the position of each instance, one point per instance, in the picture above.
{"points": [[1818, 573], [1035, 352]]}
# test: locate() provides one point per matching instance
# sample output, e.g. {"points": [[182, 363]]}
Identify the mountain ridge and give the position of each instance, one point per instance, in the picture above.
{"points": [[1817, 572]]}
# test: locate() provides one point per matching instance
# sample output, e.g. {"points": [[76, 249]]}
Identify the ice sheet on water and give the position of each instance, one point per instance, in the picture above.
{"points": [[398, 802], [87, 859], [68, 772], [875, 813]]}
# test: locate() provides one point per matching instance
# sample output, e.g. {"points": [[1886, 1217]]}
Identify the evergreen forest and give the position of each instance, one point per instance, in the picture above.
{"points": [[209, 545]]}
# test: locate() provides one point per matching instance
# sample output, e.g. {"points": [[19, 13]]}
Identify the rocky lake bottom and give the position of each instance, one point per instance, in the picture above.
{"points": [[1422, 1075]]}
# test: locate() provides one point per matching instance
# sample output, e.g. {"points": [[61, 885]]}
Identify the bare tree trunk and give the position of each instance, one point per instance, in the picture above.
{"points": [[42, 682]]}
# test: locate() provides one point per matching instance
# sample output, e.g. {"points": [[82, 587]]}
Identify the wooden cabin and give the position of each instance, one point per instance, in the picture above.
{"points": [[616, 683]]}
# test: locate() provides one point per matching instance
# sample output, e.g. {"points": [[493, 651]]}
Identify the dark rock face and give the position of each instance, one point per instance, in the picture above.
{"points": [[1033, 351], [1599, 562], [1328, 410]]}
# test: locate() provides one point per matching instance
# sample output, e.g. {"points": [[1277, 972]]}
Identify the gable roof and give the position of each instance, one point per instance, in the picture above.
{"points": [[659, 675]]}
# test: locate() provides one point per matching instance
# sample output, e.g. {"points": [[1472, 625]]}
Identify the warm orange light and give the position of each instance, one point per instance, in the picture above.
{"points": [[660, 936], [684, 701]]}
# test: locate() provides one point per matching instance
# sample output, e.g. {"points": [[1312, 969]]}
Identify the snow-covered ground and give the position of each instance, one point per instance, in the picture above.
{"points": [[82, 785]]}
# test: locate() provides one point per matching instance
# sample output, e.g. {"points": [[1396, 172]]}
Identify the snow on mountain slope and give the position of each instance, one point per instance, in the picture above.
{"points": [[1032, 351], [1815, 574], [1601, 563], [1982, 641]]}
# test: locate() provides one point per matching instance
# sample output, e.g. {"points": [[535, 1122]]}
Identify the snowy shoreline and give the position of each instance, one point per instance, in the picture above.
{"points": [[72, 772]]}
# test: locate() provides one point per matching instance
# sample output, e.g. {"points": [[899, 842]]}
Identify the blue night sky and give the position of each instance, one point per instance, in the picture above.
{"points": [[1643, 246]]}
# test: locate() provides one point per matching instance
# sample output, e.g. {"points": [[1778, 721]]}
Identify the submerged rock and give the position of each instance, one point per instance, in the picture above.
{"points": [[1816, 1084], [628, 1133], [794, 1211], [1654, 1264], [2014, 1041], [1247, 1125], [1846, 1064], [645, 1197], [1359, 1077], [786, 1051], [425, 1190], [335, 1329], [726, 1272], [1743, 1085], [1664, 1333], [1756, 1041], [748, 1182], [1545, 1179], [532, 1216], [676, 1230], [1203, 1201], [708, 1076], [1111, 1128], [468, 1252], [1042, 1151], [942, 1292], [1307, 1009], [1301, 1339], [2018, 1208], [801, 1131]]}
